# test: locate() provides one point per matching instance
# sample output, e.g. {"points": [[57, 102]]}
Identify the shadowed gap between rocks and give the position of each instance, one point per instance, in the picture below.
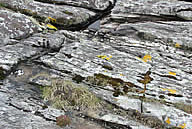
{"points": [[186, 0], [145, 18], [84, 25], [56, 2]]}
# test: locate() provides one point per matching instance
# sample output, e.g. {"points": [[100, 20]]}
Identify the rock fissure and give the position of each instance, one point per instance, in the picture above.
{"points": [[58, 2]]}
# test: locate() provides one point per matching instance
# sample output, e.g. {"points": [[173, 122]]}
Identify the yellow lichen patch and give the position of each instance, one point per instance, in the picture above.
{"points": [[121, 74], [104, 57], [177, 45], [168, 121], [146, 58], [101, 56], [163, 89], [107, 58], [49, 26], [172, 73], [52, 19], [183, 126], [172, 91]]}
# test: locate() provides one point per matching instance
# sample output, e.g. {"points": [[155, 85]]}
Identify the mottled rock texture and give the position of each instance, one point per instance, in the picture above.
{"points": [[138, 43]]}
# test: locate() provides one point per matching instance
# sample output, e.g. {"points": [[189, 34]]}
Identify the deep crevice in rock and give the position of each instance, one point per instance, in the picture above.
{"points": [[37, 113], [57, 2], [146, 18], [168, 76], [186, 0], [85, 24]]}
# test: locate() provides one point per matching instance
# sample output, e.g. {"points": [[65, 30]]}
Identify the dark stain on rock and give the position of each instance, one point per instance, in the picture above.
{"points": [[120, 87], [168, 76], [2, 73], [106, 65], [175, 95], [161, 96], [78, 78], [117, 92], [146, 36], [68, 55], [125, 89]]}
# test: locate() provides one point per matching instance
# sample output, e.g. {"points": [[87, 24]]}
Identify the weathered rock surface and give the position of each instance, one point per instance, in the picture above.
{"points": [[61, 15], [140, 43]]}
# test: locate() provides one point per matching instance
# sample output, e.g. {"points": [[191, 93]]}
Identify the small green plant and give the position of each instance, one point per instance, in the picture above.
{"points": [[64, 94]]}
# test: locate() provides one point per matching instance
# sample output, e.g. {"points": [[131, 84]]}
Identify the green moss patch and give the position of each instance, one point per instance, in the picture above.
{"points": [[3, 5]]}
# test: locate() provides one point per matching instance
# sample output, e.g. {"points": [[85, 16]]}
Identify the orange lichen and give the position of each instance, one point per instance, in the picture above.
{"points": [[172, 73], [104, 57], [146, 58], [168, 121], [52, 19], [183, 126], [121, 74], [51, 27], [177, 45], [172, 91]]}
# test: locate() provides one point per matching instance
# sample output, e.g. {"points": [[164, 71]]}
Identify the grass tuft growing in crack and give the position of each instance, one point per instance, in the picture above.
{"points": [[64, 94]]}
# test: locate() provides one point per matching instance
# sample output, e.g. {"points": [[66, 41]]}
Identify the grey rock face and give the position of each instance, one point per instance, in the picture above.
{"points": [[15, 25], [142, 43]]}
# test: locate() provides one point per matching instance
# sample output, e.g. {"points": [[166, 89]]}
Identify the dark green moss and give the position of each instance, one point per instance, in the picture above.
{"points": [[3, 5], [78, 78], [2, 73]]}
